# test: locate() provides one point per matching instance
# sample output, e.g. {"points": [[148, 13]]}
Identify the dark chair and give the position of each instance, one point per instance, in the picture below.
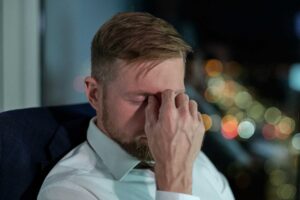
{"points": [[32, 141]]}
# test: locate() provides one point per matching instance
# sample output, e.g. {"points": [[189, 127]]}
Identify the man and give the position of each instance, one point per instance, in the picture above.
{"points": [[145, 140]]}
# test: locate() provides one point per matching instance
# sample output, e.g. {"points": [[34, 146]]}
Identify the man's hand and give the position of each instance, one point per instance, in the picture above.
{"points": [[175, 133]]}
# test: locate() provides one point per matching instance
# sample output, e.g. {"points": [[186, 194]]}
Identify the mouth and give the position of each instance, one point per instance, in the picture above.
{"points": [[143, 139]]}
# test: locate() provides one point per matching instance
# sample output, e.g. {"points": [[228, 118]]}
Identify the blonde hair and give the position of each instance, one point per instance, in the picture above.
{"points": [[134, 36]]}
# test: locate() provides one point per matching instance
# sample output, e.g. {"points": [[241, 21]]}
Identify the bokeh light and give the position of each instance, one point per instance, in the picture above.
{"points": [[207, 121], [246, 129], [277, 177], [296, 141], [272, 115], [217, 82], [213, 67], [294, 77], [210, 96], [269, 131], [229, 125], [216, 123], [243, 99], [230, 89], [240, 115], [286, 125], [225, 103], [256, 111], [286, 191]]}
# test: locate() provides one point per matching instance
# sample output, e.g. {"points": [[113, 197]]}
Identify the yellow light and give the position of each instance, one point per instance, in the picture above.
{"points": [[207, 121], [210, 96], [213, 67], [256, 111], [243, 99], [272, 115], [286, 191], [225, 103], [286, 125], [230, 89], [277, 177], [240, 115]]}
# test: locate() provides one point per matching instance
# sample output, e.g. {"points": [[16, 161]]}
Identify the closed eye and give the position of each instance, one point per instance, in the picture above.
{"points": [[138, 100]]}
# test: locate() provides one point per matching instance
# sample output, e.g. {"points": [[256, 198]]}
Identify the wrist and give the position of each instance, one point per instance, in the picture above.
{"points": [[174, 180]]}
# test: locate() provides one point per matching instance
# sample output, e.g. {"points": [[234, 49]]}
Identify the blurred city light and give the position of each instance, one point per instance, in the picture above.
{"points": [[230, 89], [213, 67], [210, 96], [286, 125], [246, 129], [294, 77], [277, 177], [243, 99], [256, 111], [229, 126], [286, 191], [269, 131], [216, 123], [296, 141], [207, 121], [272, 115]]}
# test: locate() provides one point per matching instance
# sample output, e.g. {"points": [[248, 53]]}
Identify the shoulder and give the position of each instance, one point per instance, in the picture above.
{"points": [[78, 167]]}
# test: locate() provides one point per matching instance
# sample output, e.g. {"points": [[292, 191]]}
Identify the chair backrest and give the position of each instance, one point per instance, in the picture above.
{"points": [[33, 140]]}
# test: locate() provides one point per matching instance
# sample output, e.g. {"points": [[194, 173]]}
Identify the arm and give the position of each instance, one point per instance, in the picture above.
{"points": [[61, 192]]}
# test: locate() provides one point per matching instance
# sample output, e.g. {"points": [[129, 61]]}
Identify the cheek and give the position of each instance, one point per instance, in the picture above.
{"points": [[128, 117]]}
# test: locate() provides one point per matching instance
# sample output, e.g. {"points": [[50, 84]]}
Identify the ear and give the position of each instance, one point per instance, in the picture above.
{"points": [[93, 91]]}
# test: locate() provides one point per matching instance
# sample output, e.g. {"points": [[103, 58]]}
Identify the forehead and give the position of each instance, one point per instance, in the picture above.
{"points": [[150, 76]]}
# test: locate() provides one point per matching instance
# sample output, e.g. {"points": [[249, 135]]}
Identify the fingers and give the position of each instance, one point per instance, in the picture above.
{"points": [[194, 109], [168, 99], [151, 110], [182, 100]]}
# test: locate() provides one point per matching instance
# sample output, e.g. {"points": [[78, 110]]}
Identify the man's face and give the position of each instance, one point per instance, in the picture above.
{"points": [[121, 110]]}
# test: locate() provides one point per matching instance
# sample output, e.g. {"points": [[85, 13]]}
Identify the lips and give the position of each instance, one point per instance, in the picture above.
{"points": [[143, 139]]}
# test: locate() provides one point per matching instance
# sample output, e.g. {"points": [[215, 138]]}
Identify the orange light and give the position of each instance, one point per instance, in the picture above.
{"points": [[213, 67], [229, 126], [207, 121]]}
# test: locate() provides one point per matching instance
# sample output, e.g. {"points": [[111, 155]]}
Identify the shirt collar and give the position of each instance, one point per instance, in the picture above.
{"points": [[117, 160]]}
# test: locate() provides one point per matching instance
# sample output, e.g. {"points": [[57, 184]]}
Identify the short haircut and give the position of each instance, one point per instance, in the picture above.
{"points": [[134, 36]]}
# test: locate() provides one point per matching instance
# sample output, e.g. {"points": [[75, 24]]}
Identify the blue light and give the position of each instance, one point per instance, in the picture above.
{"points": [[294, 77], [297, 24]]}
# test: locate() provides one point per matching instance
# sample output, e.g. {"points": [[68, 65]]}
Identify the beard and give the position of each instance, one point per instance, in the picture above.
{"points": [[137, 147]]}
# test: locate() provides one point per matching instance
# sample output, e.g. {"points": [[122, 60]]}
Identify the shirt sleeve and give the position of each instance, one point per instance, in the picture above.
{"points": [[64, 193], [163, 195]]}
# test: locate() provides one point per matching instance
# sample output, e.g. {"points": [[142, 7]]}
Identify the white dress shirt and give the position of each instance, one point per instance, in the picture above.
{"points": [[100, 169]]}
